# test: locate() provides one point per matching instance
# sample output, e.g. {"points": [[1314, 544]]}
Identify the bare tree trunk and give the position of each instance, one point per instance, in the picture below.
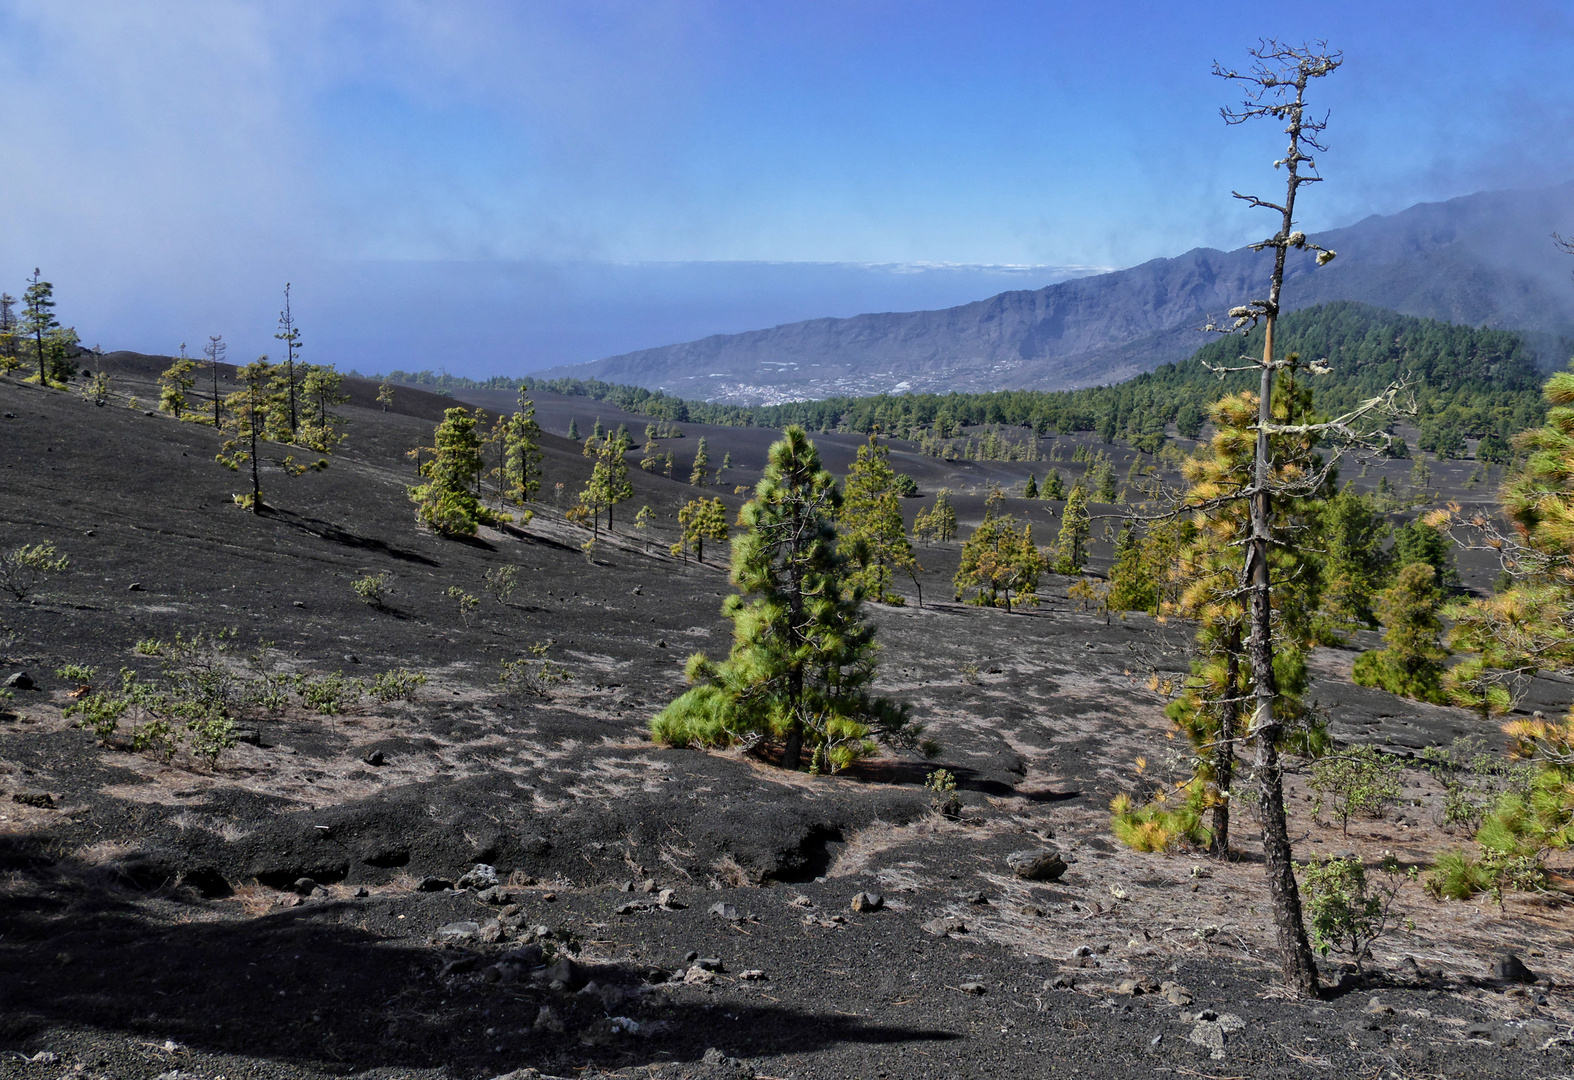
{"points": [[792, 749], [1295, 951], [1224, 744], [256, 481]]}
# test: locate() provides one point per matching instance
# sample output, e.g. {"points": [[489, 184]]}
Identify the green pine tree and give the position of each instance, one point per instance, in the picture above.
{"points": [[1131, 586], [285, 374], [999, 561], [1351, 532], [249, 410], [522, 455], [38, 319], [700, 520], [872, 530], [1030, 489], [803, 656], [176, 382], [1071, 546], [651, 461], [452, 470], [1411, 663], [699, 473], [321, 428]]}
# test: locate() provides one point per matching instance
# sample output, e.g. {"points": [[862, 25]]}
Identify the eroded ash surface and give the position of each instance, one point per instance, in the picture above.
{"points": [[154, 921]]}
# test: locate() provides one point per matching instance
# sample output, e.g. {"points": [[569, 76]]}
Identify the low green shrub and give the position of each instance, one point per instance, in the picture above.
{"points": [[467, 602], [501, 582], [328, 695], [398, 685], [1345, 911], [1358, 780], [81, 674], [24, 568], [99, 713], [373, 589], [534, 674], [943, 797]]}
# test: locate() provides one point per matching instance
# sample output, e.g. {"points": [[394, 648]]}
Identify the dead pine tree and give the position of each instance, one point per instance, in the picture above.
{"points": [[1274, 88], [214, 350]]}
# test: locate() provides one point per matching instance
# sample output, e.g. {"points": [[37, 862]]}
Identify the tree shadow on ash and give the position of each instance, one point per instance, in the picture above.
{"points": [[324, 530], [531, 538], [317, 987], [915, 773]]}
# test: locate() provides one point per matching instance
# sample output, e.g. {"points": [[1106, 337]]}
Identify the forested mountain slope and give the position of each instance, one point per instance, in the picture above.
{"points": [[1467, 383]]}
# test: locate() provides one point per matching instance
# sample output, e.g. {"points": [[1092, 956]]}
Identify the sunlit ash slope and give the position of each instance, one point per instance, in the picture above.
{"points": [[1485, 259]]}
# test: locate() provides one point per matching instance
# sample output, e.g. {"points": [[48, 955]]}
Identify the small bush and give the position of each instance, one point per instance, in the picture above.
{"points": [[534, 674], [467, 603], [81, 674], [1377, 668], [157, 734], [695, 719], [399, 685], [99, 713], [23, 569], [1457, 876], [210, 737], [1345, 912], [1360, 780], [1473, 780], [501, 582], [328, 695], [373, 589], [943, 798]]}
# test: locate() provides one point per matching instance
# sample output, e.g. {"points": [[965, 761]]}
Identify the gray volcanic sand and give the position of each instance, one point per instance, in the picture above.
{"points": [[147, 922]]}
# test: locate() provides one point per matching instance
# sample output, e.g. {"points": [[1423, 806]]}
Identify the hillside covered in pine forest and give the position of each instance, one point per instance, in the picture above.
{"points": [[1467, 383]]}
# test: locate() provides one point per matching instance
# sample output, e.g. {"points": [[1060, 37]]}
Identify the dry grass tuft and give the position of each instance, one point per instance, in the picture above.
{"points": [[256, 899], [729, 873]]}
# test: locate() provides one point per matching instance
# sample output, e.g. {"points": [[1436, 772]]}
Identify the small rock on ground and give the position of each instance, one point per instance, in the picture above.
{"points": [[1045, 865], [1511, 968]]}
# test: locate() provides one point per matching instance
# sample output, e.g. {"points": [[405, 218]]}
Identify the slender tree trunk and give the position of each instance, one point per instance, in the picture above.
{"points": [[1224, 744], [289, 374], [256, 480], [1300, 971], [39, 341]]}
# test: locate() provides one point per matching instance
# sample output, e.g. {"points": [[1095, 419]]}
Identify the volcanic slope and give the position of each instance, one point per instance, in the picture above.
{"points": [[282, 913]]}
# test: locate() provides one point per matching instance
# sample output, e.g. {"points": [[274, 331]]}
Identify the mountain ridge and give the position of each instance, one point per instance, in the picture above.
{"points": [[1485, 259]]}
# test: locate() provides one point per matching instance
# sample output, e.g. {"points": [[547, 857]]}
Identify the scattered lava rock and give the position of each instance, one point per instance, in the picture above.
{"points": [[1045, 865], [1510, 968]]}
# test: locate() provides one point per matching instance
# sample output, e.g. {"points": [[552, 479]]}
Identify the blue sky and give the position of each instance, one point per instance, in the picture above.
{"points": [[170, 165]]}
